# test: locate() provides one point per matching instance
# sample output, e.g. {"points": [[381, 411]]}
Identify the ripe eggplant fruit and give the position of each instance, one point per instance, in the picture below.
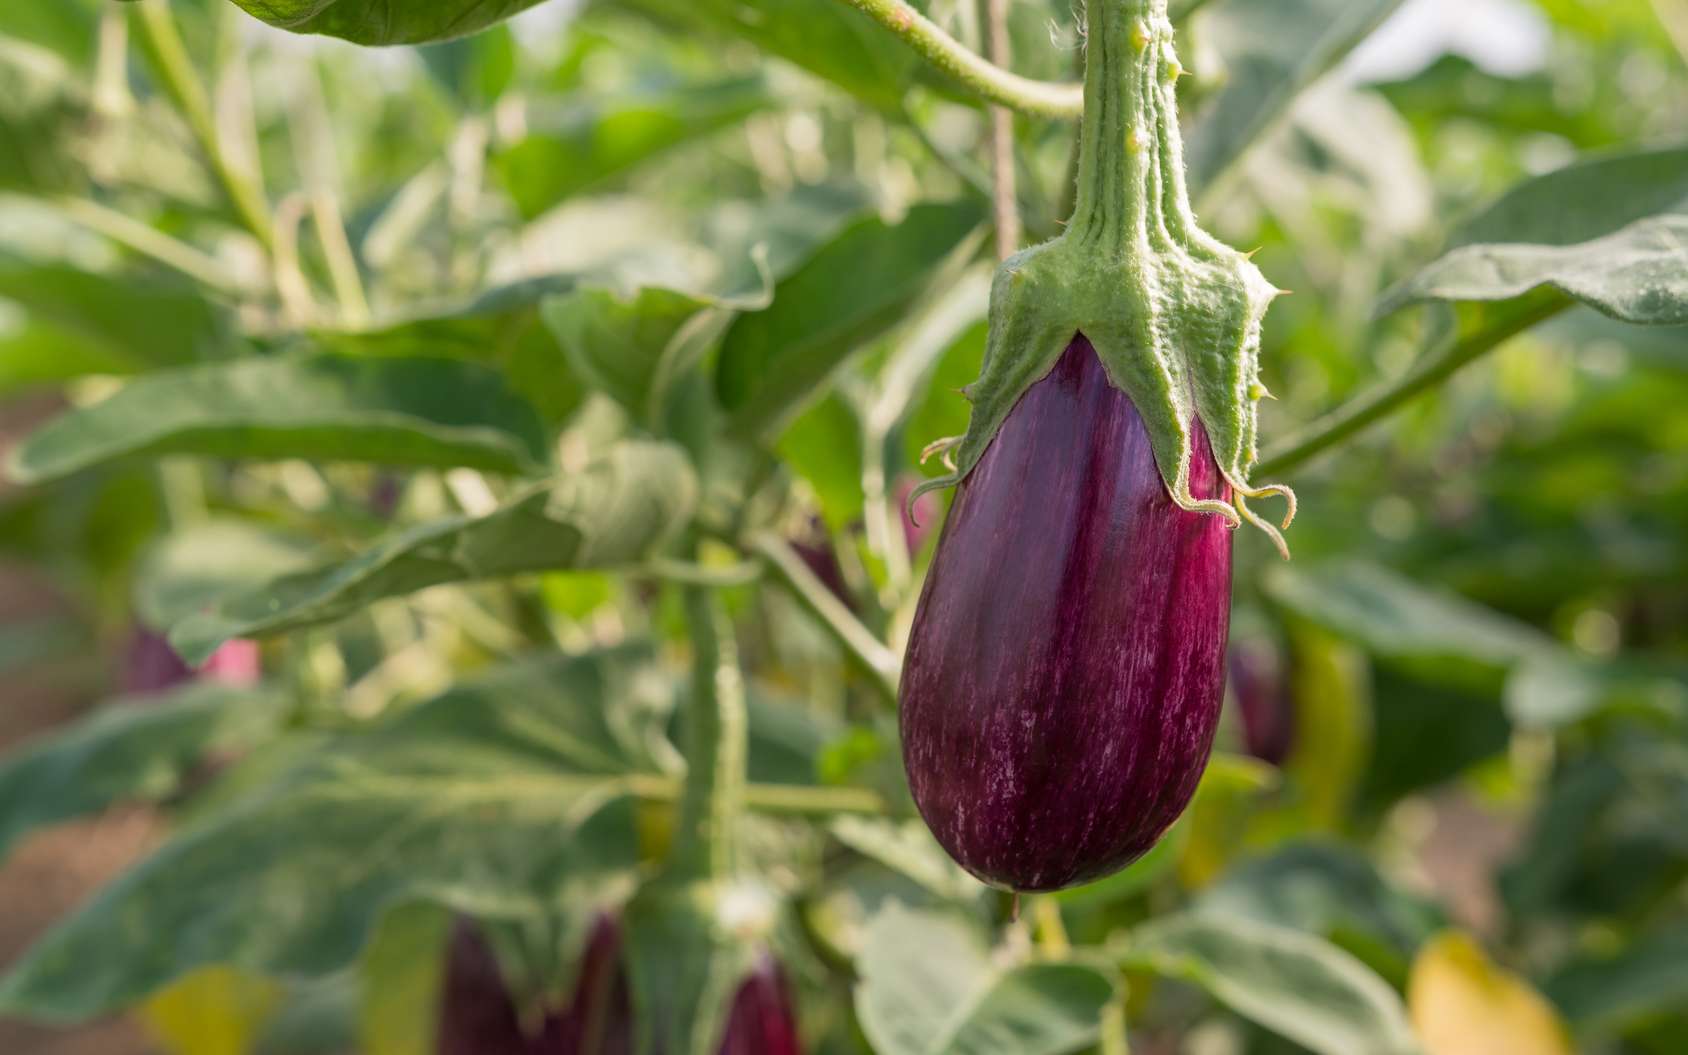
{"points": [[763, 1020], [1066, 666], [478, 1014]]}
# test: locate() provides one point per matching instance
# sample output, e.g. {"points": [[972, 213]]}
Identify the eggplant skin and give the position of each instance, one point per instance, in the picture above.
{"points": [[1066, 666], [478, 1015], [762, 1020]]}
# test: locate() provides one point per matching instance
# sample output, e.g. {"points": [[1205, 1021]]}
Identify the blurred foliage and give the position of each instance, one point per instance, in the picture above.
{"points": [[439, 368]]}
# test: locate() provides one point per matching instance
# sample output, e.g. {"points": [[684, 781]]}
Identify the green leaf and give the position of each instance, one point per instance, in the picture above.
{"points": [[43, 115], [385, 21], [1395, 618], [434, 412], [1608, 232], [194, 566], [907, 847], [136, 750], [825, 447], [617, 511], [849, 292], [1639, 980], [583, 142], [504, 798], [636, 348], [110, 322], [1271, 52], [930, 987], [401, 971], [822, 36], [1554, 691], [1291, 983], [1325, 889]]}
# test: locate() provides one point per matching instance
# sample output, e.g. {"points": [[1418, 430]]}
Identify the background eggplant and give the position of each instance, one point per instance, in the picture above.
{"points": [[763, 1020], [1066, 666]]}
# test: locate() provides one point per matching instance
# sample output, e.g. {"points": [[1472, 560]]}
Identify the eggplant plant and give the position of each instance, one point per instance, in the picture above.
{"points": [[472, 498]]}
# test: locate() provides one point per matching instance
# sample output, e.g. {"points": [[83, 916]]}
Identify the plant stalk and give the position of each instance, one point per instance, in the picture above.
{"points": [[1434, 368], [858, 642], [716, 747], [1005, 205], [162, 43], [983, 78]]}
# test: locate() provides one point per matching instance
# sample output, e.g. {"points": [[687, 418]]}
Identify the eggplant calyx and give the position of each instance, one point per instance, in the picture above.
{"points": [[1173, 313]]}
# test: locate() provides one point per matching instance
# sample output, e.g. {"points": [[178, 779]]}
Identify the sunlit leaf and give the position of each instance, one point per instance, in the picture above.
{"points": [[1608, 232], [929, 986], [617, 511]]}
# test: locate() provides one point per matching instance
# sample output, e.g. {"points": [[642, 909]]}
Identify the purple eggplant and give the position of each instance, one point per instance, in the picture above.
{"points": [[478, 1014], [762, 1020], [1263, 703], [151, 665], [1066, 666]]}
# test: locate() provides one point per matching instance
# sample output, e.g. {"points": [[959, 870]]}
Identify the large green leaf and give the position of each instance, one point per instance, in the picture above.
{"points": [[583, 141], [1334, 892], [128, 751], [385, 21], [825, 37], [504, 798], [43, 115], [108, 322], [930, 987], [635, 348], [1271, 52], [1292, 983], [616, 511], [194, 566], [435, 412], [850, 291], [1395, 618], [1609, 232]]}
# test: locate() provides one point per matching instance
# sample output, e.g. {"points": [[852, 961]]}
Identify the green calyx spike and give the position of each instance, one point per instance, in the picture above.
{"points": [[1173, 312]]}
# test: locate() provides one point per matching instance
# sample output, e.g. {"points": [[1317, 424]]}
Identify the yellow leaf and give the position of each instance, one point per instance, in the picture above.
{"points": [[399, 977], [213, 1011], [1463, 1004]]}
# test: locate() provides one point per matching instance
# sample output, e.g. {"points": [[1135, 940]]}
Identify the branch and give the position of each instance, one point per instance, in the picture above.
{"points": [[1064, 102], [169, 59], [868, 651], [1005, 204], [1434, 368]]}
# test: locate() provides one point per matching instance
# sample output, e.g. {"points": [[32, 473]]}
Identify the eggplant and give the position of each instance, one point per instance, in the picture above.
{"points": [[479, 1016], [1066, 665], [1263, 703], [763, 1020]]}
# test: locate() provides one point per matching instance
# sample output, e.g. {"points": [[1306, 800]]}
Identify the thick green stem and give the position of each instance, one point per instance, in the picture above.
{"points": [[169, 59], [1131, 188], [982, 78], [1433, 369], [858, 642], [715, 744]]}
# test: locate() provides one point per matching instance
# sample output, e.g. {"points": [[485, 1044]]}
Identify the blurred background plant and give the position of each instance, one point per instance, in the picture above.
{"points": [[369, 412]]}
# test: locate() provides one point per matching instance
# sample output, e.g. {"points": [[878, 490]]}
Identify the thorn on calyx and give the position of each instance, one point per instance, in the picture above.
{"points": [[1140, 36]]}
